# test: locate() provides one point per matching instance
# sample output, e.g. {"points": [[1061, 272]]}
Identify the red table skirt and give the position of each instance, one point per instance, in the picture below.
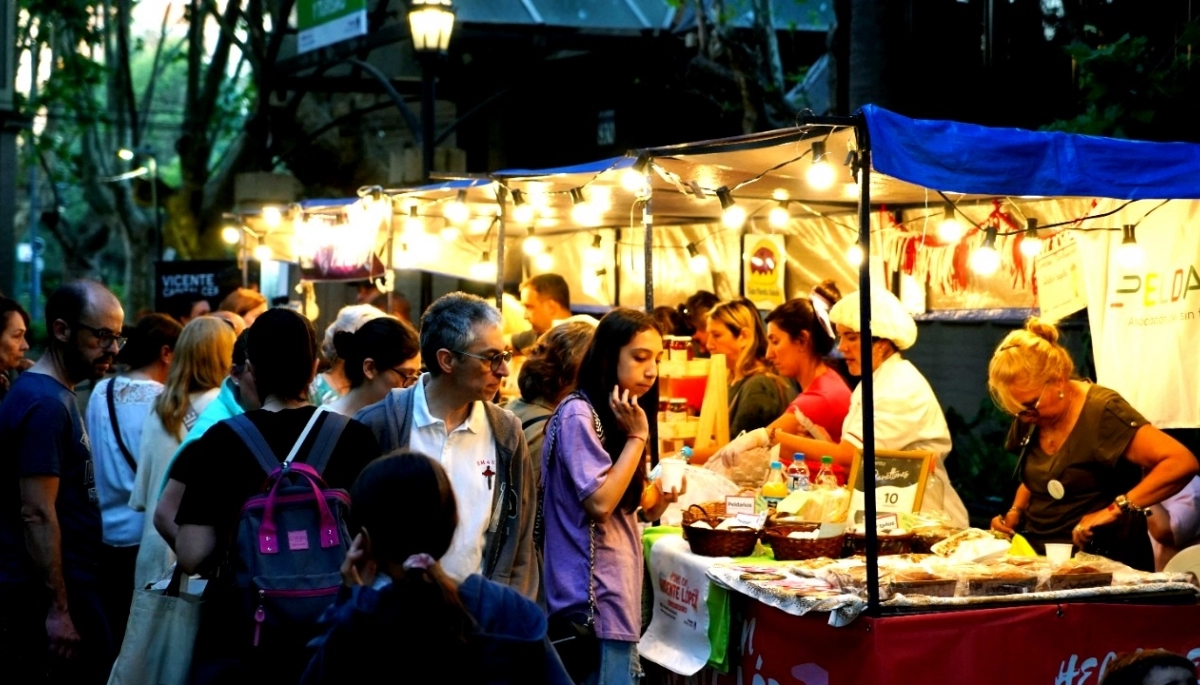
{"points": [[1055, 644]]}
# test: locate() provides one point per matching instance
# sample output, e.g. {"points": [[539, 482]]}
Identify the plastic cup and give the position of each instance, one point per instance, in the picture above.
{"points": [[1058, 553], [671, 474]]}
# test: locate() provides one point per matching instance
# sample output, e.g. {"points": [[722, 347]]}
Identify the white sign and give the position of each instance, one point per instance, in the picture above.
{"points": [[677, 638], [735, 505], [1060, 287]]}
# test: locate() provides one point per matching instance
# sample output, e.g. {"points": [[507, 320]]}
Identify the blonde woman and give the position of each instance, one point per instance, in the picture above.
{"points": [[202, 360], [1090, 465], [757, 396]]}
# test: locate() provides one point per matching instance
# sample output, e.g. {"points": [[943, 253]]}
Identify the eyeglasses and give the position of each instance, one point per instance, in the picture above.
{"points": [[104, 337], [407, 377], [1031, 407], [495, 361]]}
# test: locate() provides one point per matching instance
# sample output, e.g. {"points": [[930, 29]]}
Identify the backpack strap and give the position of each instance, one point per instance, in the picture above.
{"points": [[326, 440], [254, 440]]}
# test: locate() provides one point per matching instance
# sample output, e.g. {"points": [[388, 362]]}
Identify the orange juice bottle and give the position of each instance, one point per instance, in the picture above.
{"points": [[775, 487]]}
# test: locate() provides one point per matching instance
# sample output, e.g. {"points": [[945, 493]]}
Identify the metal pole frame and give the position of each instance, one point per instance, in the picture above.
{"points": [[501, 230], [863, 170]]}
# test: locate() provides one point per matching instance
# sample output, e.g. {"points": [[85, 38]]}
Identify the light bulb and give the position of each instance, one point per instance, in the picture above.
{"points": [[272, 216], [523, 214], [533, 245], [1031, 244], [778, 216], [698, 264], [634, 181], [734, 216], [1130, 255], [484, 269], [593, 255], [404, 257], [950, 230], [450, 233], [820, 173], [231, 235], [780, 194], [543, 262], [985, 261], [413, 224], [456, 210], [263, 253], [585, 214], [855, 255]]}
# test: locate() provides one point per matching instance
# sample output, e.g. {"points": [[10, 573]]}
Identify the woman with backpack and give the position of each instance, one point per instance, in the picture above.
{"points": [[246, 630], [594, 475], [399, 607]]}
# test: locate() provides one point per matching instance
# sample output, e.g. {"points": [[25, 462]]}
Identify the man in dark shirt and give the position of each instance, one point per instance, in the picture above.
{"points": [[52, 625], [219, 474]]}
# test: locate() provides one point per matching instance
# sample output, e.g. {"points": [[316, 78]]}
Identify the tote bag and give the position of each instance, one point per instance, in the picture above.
{"points": [[160, 636]]}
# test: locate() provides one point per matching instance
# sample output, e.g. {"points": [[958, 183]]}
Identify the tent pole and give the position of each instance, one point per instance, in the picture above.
{"points": [[648, 224], [391, 248], [863, 168], [500, 196]]}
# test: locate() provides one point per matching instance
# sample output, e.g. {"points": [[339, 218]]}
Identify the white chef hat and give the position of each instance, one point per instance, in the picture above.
{"points": [[889, 320]]}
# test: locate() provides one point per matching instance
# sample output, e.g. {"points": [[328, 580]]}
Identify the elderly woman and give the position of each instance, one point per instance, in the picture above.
{"points": [[1090, 464], [906, 416]]}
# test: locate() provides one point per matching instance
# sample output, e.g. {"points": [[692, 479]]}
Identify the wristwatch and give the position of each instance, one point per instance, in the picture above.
{"points": [[1126, 506]]}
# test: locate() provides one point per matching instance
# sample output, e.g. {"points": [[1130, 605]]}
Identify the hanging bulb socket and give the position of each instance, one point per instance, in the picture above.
{"points": [[820, 174], [778, 216], [533, 245], [697, 262], [733, 215], [985, 261], [456, 211], [950, 230], [1130, 255]]}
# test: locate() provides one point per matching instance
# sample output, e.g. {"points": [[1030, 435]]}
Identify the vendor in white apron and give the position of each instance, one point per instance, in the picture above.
{"points": [[906, 417]]}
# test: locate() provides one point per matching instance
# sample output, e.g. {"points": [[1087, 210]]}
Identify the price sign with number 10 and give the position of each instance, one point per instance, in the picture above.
{"points": [[899, 482]]}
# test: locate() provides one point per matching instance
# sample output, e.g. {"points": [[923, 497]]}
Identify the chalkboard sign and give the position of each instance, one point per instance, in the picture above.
{"points": [[899, 482], [209, 279]]}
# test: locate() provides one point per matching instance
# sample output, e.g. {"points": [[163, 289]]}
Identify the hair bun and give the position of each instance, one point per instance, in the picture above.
{"points": [[1042, 329], [344, 343]]}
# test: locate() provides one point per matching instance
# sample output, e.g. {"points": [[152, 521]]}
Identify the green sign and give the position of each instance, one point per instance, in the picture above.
{"points": [[324, 22]]}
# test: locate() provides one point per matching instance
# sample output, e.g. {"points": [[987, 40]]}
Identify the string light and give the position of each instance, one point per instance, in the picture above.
{"points": [[855, 255], [543, 262], [522, 211], [533, 245], [634, 178], [582, 211], [272, 216], [413, 224], [696, 261], [450, 233], [484, 269], [593, 255], [1031, 244], [732, 215], [232, 235], [1130, 255], [456, 210], [404, 258], [262, 252], [820, 173], [950, 230], [985, 261], [778, 216]]}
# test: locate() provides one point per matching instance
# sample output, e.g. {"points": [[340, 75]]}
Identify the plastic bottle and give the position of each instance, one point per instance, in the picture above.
{"points": [[825, 479], [774, 488], [797, 474]]}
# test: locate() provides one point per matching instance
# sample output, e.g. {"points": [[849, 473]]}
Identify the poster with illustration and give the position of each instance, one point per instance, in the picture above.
{"points": [[763, 270]]}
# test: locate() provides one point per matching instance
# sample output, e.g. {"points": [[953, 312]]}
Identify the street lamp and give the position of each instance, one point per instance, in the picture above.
{"points": [[431, 22], [152, 168]]}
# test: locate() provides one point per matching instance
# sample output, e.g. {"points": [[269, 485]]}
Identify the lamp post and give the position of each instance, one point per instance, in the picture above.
{"points": [[151, 168], [431, 22]]}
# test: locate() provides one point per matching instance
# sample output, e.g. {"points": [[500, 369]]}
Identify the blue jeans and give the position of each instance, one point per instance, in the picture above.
{"points": [[619, 664]]}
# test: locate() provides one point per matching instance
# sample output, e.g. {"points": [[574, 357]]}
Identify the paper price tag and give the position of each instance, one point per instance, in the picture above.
{"points": [[886, 523], [735, 505], [752, 520]]}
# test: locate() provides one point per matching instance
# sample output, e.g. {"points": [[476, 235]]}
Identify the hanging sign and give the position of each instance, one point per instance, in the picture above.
{"points": [[763, 270], [329, 248], [1060, 290], [899, 482], [201, 279], [324, 22]]}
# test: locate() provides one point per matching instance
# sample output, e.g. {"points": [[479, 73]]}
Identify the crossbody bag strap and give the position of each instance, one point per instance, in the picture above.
{"points": [[112, 416]]}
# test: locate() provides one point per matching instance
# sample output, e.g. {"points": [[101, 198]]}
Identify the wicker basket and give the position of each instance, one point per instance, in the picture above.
{"points": [[789, 549], [731, 542], [886, 544]]}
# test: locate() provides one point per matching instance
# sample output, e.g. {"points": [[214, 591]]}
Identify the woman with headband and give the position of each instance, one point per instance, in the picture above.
{"points": [[799, 339]]}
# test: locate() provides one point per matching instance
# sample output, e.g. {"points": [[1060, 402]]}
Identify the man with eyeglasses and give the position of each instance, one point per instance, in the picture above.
{"points": [[52, 624], [448, 414]]}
